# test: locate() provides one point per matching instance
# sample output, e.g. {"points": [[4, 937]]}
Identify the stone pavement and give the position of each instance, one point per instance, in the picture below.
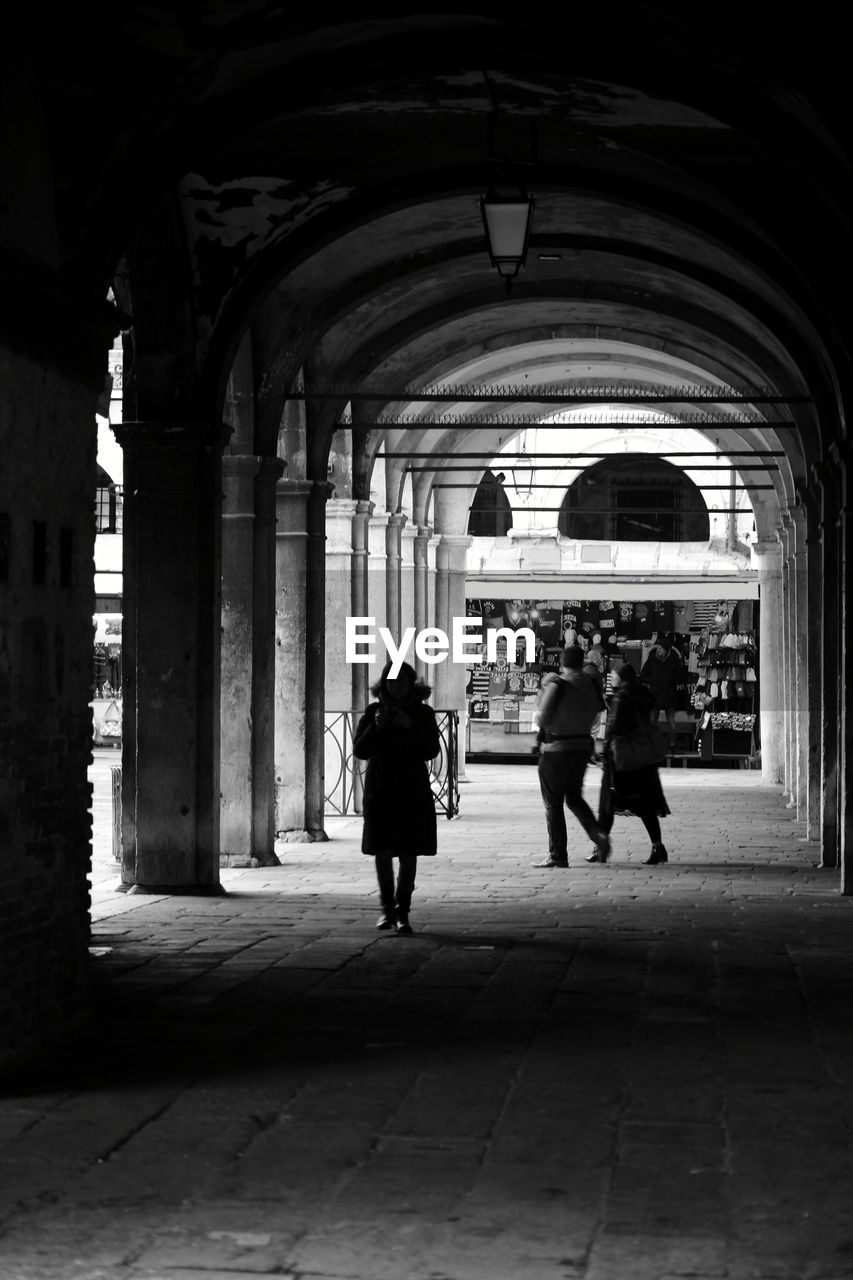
{"points": [[612, 1072]]}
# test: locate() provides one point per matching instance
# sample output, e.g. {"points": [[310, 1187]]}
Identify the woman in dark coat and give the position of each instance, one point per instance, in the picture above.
{"points": [[639, 791], [396, 735]]}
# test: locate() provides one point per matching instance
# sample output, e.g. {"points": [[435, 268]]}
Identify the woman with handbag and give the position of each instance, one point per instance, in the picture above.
{"points": [[630, 782]]}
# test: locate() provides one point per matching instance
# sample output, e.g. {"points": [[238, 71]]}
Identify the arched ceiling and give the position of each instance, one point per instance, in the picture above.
{"points": [[586, 364], [316, 173]]}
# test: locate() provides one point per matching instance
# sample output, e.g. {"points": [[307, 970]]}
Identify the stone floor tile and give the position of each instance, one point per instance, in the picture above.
{"points": [[612, 1072]]}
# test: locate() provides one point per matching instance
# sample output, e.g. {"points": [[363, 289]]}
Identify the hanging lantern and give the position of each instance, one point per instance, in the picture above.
{"points": [[507, 212]]}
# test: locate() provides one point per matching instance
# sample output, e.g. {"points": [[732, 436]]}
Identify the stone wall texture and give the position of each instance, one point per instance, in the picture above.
{"points": [[47, 483]]}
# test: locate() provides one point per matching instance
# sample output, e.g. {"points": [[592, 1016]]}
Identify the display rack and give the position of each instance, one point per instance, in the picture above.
{"points": [[725, 695]]}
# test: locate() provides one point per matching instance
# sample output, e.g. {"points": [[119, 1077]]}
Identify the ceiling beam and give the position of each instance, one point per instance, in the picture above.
{"points": [[531, 457], [520, 393]]}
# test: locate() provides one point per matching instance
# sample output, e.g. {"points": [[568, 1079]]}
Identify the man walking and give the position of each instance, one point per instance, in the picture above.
{"points": [[568, 706]]}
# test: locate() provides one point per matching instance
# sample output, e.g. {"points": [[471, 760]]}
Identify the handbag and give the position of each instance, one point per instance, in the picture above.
{"points": [[638, 747]]}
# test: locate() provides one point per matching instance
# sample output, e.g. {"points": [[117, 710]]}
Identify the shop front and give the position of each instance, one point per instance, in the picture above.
{"points": [[107, 680], [712, 630]]}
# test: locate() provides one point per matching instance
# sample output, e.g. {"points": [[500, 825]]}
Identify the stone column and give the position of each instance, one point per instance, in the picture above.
{"points": [[830, 590], [421, 585], [814, 675], [315, 668], [432, 560], [845, 683], [340, 513], [172, 587], [340, 570], [393, 572], [800, 656], [247, 829], [771, 689], [360, 603], [788, 703], [450, 678], [407, 582], [290, 651], [376, 590], [263, 663]]}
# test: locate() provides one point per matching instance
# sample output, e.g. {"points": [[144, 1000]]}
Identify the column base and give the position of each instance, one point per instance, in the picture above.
{"points": [[248, 860], [300, 836], [184, 890]]}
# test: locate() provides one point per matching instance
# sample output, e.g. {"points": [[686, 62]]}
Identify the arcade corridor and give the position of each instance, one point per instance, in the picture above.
{"points": [[585, 1075], [268, 241]]}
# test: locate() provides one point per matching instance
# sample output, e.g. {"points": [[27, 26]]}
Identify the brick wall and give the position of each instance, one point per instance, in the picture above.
{"points": [[47, 485]]}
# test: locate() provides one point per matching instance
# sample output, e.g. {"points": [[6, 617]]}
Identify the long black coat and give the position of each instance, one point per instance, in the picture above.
{"points": [[399, 809], [638, 791]]}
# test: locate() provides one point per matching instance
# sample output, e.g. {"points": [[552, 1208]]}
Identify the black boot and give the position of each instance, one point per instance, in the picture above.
{"points": [[658, 854], [385, 877]]}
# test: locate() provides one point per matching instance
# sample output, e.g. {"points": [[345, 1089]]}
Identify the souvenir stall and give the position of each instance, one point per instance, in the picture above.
{"points": [[716, 690], [106, 683]]}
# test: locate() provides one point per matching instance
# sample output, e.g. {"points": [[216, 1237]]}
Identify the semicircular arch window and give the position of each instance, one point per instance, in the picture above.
{"points": [[634, 498]]}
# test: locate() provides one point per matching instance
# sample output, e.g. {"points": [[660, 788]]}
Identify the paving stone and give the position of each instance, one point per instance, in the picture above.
{"points": [[609, 1072]]}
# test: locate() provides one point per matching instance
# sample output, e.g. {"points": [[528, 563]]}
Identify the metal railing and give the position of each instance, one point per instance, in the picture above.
{"points": [[115, 779], [344, 773]]}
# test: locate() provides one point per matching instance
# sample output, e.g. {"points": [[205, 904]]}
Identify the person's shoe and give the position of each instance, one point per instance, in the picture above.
{"points": [[403, 925], [386, 921], [602, 846], [592, 856], [553, 862], [658, 854]]}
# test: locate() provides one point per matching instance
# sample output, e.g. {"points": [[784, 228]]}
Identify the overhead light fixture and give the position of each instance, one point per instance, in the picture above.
{"points": [[507, 212], [523, 486]]}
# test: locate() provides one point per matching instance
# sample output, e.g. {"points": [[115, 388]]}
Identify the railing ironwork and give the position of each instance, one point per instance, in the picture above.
{"points": [[344, 773]]}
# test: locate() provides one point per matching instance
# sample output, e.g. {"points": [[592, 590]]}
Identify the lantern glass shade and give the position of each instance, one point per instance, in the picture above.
{"points": [[507, 218]]}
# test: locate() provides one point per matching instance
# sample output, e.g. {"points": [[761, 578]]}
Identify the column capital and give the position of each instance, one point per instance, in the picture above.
{"points": [[174, 435], [799, 530], [271, 467], [239, 472], [240, 464], [397, 519], [452, 552], [341, 507], [364, 507], [293, 489], [770, 552], [339, 526]]}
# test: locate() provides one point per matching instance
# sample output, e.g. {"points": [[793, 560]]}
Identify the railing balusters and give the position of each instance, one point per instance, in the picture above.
{"points": [[343, 798]]}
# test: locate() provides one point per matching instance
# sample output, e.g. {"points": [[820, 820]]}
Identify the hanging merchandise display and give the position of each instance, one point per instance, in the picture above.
{"points": [[711, 700], [726, 695]]}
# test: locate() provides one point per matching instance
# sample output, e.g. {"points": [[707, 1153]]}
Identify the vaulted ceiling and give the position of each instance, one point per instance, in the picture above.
{"points": [[306, 179]]}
